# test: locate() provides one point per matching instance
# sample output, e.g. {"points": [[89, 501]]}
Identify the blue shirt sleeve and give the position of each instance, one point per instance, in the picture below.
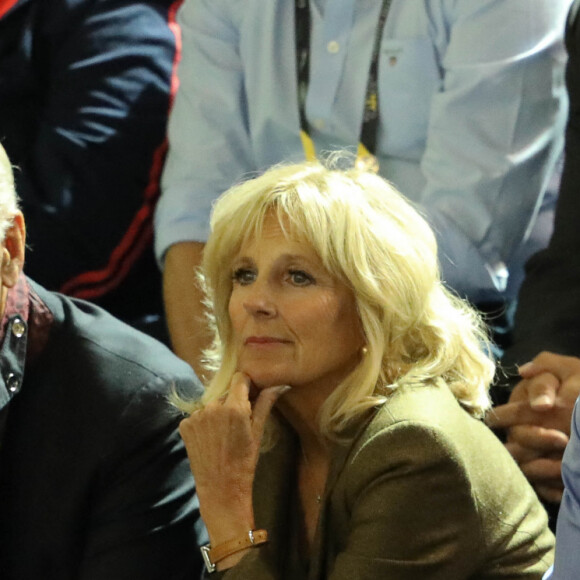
{"points": [[210, 145]]}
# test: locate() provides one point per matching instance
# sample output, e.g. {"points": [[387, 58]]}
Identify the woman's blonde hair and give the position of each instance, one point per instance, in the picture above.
{"points": [[370, 238]]}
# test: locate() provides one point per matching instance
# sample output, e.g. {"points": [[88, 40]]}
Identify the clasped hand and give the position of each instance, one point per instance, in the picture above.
{"points": [[223, 444], [537, 419]]}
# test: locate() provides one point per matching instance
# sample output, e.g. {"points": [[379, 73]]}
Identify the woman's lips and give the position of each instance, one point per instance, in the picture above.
{"points": [[264, 340]]}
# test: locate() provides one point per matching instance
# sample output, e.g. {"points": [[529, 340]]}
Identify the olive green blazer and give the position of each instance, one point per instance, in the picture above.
{"points": [[422, 492]]}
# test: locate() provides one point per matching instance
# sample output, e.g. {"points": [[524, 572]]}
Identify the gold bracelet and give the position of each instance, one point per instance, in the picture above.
{"points": [[211, 556]]}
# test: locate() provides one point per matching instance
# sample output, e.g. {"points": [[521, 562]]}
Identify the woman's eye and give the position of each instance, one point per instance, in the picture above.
{"points": [[301, 278], [243, 276]]}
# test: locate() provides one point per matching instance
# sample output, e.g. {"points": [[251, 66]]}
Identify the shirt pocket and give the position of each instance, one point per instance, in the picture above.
{"points": [[409, 76]]}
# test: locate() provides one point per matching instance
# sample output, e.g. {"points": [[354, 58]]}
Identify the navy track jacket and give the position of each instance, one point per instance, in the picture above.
{"points": [[85, 91]]}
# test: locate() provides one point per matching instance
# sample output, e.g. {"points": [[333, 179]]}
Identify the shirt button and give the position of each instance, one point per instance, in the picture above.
{"points": [[18, 328], [333, 47], [12, 382]]}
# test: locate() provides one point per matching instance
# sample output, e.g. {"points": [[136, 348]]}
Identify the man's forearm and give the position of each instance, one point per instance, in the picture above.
{"points": [[183, 303]]}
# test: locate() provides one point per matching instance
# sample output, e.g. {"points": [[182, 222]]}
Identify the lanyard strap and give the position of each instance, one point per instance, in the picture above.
{"points": [[369, 128]]}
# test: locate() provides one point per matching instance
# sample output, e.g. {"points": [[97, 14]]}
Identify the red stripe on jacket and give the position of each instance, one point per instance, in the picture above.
{"points": [[5, 6]]}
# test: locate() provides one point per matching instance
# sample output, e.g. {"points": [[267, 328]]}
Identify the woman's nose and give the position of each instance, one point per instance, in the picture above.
{"points": [[259, 301]]}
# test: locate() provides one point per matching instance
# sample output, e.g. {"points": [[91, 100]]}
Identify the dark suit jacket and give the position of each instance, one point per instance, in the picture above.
{"points": [[548, 314], [94, 480], [425, 492]]}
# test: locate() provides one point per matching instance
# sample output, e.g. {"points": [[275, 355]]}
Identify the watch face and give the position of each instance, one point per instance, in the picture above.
{"points": [[205, 554]]}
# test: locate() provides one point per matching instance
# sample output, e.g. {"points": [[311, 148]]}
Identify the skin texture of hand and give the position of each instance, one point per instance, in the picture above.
{"points": [[537, 418], [223, 446]]}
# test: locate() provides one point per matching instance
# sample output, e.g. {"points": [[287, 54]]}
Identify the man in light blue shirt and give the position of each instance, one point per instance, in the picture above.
{"points": [[471, 112]]}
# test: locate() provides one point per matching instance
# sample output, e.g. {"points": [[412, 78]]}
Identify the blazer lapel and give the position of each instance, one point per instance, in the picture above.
{"points": [[273, 490], [323, 539]]}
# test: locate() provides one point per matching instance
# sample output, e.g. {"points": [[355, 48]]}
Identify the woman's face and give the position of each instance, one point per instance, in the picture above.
{"points": [[293, 324]]}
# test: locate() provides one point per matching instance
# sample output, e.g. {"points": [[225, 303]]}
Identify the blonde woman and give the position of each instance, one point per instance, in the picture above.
{"points": [[340, 436]]}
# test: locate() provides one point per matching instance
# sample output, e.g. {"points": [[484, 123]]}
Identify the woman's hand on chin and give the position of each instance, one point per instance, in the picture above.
{"points": [[223, 445]]}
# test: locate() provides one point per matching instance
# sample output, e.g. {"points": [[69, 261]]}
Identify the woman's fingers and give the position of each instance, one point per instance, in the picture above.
{"points": [[259, 408], [263, 406], [229, 430], [239, 392]]}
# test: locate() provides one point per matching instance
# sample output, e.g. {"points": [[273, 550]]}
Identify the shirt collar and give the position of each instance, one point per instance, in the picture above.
{"points": [[23, 334]]}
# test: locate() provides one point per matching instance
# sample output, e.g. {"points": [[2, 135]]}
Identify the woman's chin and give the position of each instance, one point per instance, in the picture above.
{"points": [[262, 381], [262, 384]]}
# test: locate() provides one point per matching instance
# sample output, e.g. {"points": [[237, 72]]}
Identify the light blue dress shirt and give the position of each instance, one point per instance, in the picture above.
{"points": [[472, 109], [567, 560]]}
